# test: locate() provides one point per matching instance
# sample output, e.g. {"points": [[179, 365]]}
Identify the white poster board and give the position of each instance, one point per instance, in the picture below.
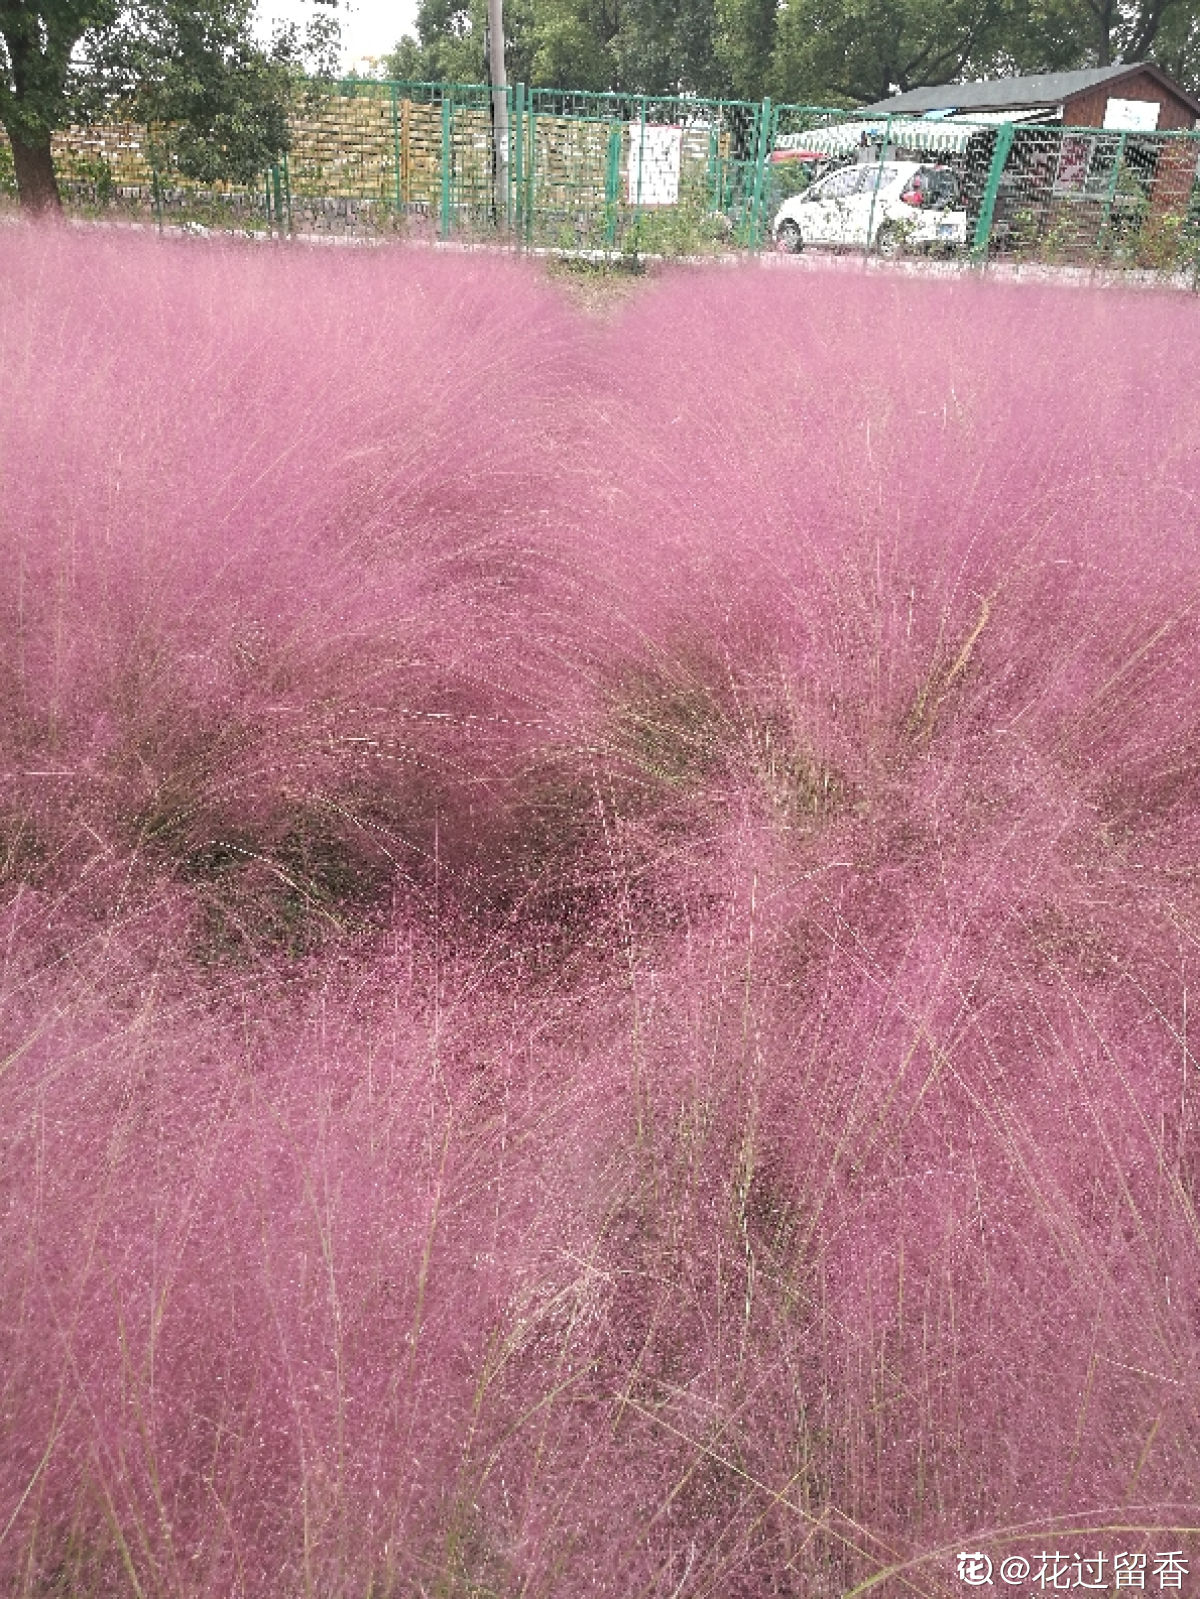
{"points": [[654, 154], [1074, 158], [1132, 116]]}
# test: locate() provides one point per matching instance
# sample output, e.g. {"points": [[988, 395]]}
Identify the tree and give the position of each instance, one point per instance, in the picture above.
{"points": [[669, 49], [820, 52], [639, 46], [1064, 34], [573, 47], [745, 44], [573, 43], [540, 37], [839, 51], [1058, 35], [1177, 47], [39, 81], [191, 67], [448, 47]]}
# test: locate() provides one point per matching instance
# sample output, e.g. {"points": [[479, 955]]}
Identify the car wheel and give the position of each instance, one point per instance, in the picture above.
{"points": [[789, 239], [889, 241]]}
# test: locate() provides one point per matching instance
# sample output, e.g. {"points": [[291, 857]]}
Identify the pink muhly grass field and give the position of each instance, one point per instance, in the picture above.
{"points": [[600, 923]]}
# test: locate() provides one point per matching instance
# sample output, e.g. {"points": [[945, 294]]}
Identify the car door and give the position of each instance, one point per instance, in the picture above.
{"points": [[946, 219], [823, 220], [858, 206]]}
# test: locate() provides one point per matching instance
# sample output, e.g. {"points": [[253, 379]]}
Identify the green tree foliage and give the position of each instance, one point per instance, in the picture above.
{"points": [[856, 51], [1063, 34], [819, 51], [661, 49], [824, 50], [745, 43], [642, 46], [545, 42], [572, 43], [1177, 46], [190, 67], [448, 47]]}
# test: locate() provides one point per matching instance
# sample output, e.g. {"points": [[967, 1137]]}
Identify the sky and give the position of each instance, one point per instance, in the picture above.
{"points": [[369, 27]]}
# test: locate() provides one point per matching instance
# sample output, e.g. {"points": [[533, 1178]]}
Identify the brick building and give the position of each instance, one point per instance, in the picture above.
{"points": [[1134, 96], [1135, 170]]}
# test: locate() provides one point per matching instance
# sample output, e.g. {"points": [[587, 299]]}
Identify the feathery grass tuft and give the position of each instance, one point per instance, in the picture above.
{"points": [[599, 928]]}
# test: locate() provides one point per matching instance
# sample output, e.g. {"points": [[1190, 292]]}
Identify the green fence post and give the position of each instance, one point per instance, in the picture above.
{"points": [[637, 197], [447, 136], [287, 193], [1106, 218], [883, 150], [612, 184], [987, 206], [396, 144], [530, 173], [510, 106], [156, 191], [751, 228], [713, 174], [770, 117], [516, 166]]}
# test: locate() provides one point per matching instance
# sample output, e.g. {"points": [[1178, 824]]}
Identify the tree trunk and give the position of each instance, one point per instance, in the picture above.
{"points": [[37, 187], [1106, 16]]}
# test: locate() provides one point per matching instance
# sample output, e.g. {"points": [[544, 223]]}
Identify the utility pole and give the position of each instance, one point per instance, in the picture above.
{"points": [[499, 82]]}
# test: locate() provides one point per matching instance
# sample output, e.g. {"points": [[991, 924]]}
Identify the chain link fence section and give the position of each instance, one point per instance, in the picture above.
{"points": [[375, 158], [1050, 194], [954, 159], [367, 158], [673, 175], [806, 143], [637, 174], [1094, 197], [110, 169]]}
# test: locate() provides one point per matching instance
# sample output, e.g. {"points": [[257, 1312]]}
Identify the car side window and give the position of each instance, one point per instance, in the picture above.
{"points": [[840, 185], [939, 187]]}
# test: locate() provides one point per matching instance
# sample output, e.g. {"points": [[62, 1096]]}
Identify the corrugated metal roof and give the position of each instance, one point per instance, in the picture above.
{"points": [[999, 94]]}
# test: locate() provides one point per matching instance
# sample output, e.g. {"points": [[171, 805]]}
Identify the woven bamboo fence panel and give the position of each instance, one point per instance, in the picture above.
{"points": [[372, 147]]}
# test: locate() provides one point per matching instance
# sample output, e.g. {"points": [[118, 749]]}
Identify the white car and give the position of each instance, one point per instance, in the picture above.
{"points": [[887, 206]]}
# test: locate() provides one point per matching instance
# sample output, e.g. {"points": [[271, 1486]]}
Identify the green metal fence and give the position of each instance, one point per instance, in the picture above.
{"points": [[674, 175], [637, 173], [1022, 192], [1082, 195]]}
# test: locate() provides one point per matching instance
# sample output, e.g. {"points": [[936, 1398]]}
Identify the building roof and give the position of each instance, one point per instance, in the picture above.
{"points": [[1005, 94]]}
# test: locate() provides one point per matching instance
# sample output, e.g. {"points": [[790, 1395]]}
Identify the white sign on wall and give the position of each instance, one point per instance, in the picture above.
{"points": [[654, 164], [1133, 116], [1074, 158]]}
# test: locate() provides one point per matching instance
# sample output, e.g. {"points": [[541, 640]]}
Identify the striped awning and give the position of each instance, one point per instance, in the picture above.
{"points": [[992, 119], [905, 133]]}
